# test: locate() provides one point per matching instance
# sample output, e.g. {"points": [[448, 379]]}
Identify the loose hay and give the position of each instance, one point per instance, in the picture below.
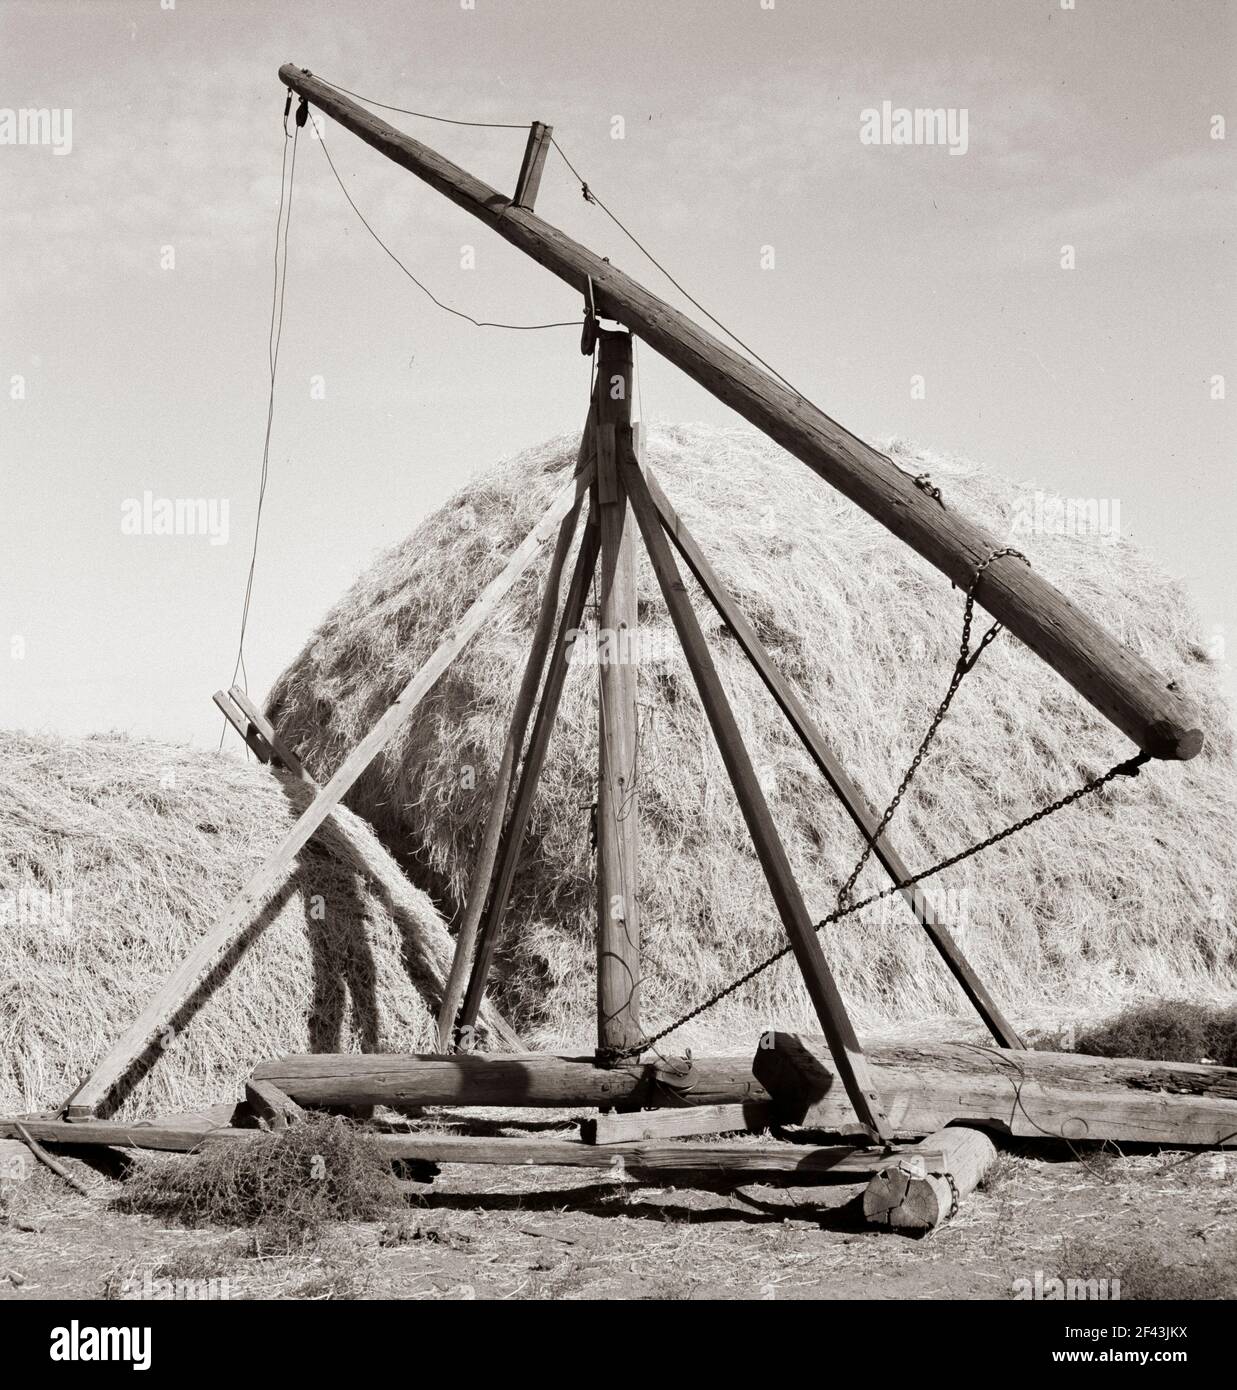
{"points": [[293, 1183], [117, 854], [1126, 896]]}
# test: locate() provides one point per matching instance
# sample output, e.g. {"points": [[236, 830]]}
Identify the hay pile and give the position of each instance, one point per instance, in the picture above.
{"points": [[116, 854], [1126, 896]]}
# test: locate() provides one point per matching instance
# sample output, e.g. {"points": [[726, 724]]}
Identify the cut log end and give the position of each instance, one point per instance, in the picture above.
{"points": [[917, 1194], [1173, 742]]}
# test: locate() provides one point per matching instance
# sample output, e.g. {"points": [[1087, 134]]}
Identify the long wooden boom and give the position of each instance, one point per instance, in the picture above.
{"points": [[1140, 701]]}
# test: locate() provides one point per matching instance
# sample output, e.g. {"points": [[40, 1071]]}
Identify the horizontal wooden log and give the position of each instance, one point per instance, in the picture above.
{"points": [[1144, 704], [926, 1086], [627, 1127], [776, 1156], [1035, 1095], [917, 1193], [508, 1080]]}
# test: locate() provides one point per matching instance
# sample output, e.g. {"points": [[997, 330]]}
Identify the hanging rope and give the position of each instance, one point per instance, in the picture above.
{"points": [[846, 907], [287, 176]]}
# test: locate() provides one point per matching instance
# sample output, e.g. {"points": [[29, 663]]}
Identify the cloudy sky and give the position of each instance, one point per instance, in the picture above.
{"points": [[137, 272]]}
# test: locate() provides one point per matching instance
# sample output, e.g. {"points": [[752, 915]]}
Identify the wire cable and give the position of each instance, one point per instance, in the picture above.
{"points": [[274, 338], [592, 197], [459, 313], [423, 115]]}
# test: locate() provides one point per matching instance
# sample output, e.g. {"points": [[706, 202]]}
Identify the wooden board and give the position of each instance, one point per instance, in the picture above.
{"points": [[1146, 705], [240, 913], [626, 1127]]}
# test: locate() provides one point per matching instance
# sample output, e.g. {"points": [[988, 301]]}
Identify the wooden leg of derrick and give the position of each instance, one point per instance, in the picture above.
{"points": [[925, 1186]]}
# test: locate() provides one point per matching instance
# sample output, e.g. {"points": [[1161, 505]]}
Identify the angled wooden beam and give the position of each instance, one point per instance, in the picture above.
{"points": [[236, 716], [270, 1105], [827, 761], [530, 773], [1144, 704], [529, 181], [283, 755], [847, 1052], [384, 872], [181, 983], [491, 834]]}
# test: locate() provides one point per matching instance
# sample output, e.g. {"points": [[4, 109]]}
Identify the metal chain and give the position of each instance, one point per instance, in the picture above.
{"points": [[1128, 768], [966, 660]]}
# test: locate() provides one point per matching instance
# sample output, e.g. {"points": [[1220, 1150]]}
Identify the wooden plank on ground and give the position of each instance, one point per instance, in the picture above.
{"points": [[177, 988], [627, 1127], [775, 1156]]}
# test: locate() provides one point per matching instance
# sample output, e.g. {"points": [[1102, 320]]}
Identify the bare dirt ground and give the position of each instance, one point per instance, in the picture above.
{"points": [[1166, 1228]]}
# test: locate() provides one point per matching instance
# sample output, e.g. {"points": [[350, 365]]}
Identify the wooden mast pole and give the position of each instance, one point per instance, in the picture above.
{"points": [[1140, 701], [618, 826]]}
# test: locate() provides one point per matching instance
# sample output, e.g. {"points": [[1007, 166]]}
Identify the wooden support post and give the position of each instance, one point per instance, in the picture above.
{"points": [[491, 834], [529, 181], [847, 1053], [828, 763], [177, 988], [1143, 703], [530, 773], [618, 819], [919, 1192]]}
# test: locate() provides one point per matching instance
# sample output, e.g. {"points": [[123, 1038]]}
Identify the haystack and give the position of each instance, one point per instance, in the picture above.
{"points": [[1127, 895], [117, 854]]}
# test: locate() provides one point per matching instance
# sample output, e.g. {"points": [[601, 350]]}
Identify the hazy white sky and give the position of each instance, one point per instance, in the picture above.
{"points": [[1090, 127]]}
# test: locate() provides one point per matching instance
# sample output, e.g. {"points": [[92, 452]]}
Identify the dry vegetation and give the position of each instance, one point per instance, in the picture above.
{"points": [[1127, 896], [116, 854]]}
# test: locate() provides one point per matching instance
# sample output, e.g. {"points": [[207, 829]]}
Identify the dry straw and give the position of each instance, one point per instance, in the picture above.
{"points": [[116, 854], [1126, 896]]}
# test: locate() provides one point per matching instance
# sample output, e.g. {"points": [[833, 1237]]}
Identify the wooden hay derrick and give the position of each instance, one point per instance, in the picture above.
{"points": [[916, 1118]]}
